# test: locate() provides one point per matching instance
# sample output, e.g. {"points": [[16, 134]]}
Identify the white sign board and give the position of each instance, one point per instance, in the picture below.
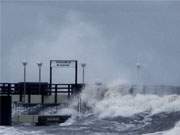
{"points": [[63, 64]]}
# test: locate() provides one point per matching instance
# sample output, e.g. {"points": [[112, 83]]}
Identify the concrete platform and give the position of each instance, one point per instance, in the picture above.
{"points": [[40, 120]]}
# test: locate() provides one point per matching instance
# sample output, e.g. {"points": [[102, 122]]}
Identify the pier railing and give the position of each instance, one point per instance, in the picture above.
{"points": [[42, 89]]}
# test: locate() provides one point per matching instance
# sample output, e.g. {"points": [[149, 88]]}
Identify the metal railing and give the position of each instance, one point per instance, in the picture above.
{"points": [[53, 89]]}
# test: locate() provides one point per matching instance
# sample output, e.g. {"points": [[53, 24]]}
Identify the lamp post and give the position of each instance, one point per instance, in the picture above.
{"points": [[24, 92], [83, 65], [42, 97], [39, 66], [138, 67]]}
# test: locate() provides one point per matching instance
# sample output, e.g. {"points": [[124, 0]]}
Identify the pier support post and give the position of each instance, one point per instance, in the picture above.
{"points": [[5, 110]]}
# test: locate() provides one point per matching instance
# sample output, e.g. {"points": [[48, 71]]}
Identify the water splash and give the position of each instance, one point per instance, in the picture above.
{"points": [[126, 100]]}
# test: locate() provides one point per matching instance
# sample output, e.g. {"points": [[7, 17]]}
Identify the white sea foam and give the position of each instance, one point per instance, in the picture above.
{"points": [[16, 131], [70, 121], [108, 101], [116, 101], [59, 111]]}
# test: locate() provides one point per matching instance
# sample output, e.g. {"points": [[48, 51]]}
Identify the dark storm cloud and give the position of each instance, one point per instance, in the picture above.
{"points": [[110, 36]]}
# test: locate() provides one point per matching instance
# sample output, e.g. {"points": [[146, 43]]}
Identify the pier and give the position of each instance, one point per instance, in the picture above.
{"points": [[42, 94]]}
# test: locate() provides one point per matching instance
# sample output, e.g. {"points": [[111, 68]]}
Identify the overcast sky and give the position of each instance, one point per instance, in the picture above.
{"points": [[111, 37]]}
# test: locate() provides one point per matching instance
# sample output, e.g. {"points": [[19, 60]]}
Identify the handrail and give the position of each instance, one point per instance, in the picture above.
{"points": [[53, 89], [11, 88]]}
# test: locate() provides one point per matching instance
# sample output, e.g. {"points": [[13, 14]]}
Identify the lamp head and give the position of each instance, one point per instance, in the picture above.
{"points": [[24, 63], [138, 65], [83, 65], [39, 64]]}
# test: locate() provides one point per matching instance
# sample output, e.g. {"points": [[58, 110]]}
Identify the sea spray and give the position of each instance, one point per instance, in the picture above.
{"points": [[114, 101], [19, 131], [114, 109], [109, 101]]}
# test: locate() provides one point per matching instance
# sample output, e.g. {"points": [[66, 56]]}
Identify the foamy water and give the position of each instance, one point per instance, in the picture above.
{"points": [[18, 131], [116, 101], [112, 110]]}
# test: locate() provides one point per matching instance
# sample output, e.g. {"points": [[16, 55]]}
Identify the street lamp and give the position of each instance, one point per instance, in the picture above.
{"points": [[83, 65], [39, 66], [24, 92], [138, 67]]}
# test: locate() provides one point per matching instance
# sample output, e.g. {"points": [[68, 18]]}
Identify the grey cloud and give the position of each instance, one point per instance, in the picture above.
{"points": [[110, 36]]}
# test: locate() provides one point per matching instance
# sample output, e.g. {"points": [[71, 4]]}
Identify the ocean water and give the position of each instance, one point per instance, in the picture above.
{"points": [[113, 110]]}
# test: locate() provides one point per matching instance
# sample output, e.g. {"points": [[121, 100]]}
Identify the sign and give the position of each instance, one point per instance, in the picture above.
{"points": [[63, 64]]}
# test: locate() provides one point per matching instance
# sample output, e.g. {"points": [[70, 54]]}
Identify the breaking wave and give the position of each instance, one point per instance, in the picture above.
{"points": [[114, 101], [119, 109]]}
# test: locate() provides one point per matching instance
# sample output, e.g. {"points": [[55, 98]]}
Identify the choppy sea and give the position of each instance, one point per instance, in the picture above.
{"points": [[112, 110]]}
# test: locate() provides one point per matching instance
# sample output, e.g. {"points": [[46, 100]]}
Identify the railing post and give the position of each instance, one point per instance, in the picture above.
{"points": [[50, 76], [29, 97], [42, 97], [69, 91], [20, 92], [3, 87], [55, 94], [0, 89], [49, 91], [76, 72], [9, 89]]}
